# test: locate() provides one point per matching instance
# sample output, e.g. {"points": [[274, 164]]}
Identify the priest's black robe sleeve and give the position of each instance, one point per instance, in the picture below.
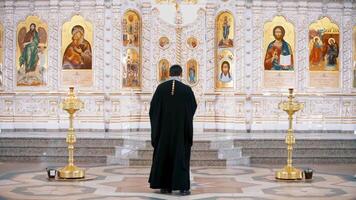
{"points": [[155, 111], [192, 106]]}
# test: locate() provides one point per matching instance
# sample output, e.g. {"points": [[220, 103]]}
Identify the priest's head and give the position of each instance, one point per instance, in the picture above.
{"points": [[175, 70]]}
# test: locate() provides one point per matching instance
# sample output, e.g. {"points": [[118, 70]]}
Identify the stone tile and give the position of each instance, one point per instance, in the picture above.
{"points": [[208, 183]]}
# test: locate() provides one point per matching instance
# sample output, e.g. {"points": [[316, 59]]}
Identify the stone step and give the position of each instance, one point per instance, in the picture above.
{"points": [[55, 159], [148, 162], [302, 143], [55, 151], [59, 142], [231, 153], [305, 160], [146, 144], [300, 152], [123, 152], [148, 152], [243, 161], [204, 153]]}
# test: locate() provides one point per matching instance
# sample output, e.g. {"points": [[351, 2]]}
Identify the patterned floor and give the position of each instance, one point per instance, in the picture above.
{"points": [[115, 182]]}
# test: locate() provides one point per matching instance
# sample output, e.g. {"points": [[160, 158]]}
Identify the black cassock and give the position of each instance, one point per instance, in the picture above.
{"points": [[171, 119]]}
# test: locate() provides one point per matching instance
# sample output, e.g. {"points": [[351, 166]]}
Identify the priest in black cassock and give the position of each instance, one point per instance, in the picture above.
{"points": [[171, 114]]}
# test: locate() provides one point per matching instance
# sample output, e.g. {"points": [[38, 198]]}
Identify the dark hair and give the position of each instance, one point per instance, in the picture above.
{"points": [[33, 25], [175, 70], [281, 28], [78, 27], [222, 64]]}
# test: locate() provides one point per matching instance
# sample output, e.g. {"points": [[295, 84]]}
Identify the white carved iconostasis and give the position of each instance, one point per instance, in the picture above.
{"points": [[240, 57]]}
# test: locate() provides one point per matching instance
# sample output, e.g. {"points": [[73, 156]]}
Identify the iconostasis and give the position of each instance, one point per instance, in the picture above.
{"points": [[239, 57]]}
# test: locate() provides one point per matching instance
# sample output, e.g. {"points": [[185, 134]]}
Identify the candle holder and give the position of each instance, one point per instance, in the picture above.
{"points": [[289, 172], [71, 104]]}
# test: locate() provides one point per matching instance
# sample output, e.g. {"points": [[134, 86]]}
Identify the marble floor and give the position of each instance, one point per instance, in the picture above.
{"points": [[29, 181]]}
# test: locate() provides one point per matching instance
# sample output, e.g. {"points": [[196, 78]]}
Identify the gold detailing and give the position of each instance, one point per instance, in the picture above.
{"points": [[71, 104], [173, 85], [176, 2], [289, 172], [179, 44]]}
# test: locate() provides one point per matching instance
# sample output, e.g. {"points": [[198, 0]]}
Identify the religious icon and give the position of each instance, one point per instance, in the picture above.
{"points": [[323, 46], [131, 71], [31, 52], [279, 53], [225, 30], [192, 42], [224, 38], [224, 69], [316, 51], [225, 75], [131, 29], [78, 54], [192, 71], [131, 25], [163, 70], [332, 54], [163, 42]]}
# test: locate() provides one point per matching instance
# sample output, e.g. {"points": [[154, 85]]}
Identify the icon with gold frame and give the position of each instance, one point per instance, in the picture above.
{"points": [[279, 44], [163, 70], [131, 65], [225, 69], [224, 29], [192, 42], [131, 69], [324, 43], [32, 52], [131, 26], [163, 42], [192, 72], [77, 55]]}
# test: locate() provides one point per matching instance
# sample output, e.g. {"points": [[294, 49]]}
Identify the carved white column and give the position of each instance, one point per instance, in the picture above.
{"points": [[54, 66], [249, 85], [108, 45], [210, 46], [99, 46], [302, 32], [146, 46], [243, 22], [2, 67], [257, 30], [116, 44], [108, 58], [347, 59], [10, 32]]}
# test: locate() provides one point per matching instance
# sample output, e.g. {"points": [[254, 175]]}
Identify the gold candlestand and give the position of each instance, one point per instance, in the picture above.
{"points": [[71, 104], [289, 172]]}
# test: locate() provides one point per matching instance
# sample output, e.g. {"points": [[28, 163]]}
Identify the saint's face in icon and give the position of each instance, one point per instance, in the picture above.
{"points": [[225, 68], [278, 33], [78, 54], [225, 75]]}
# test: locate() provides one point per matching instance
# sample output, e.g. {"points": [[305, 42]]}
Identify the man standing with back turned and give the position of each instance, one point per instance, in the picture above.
{"points": [[171, 114]]}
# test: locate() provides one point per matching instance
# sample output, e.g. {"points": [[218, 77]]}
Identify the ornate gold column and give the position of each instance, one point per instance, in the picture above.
{"points": [[289, 172], [179, 30], [71, 104]]}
